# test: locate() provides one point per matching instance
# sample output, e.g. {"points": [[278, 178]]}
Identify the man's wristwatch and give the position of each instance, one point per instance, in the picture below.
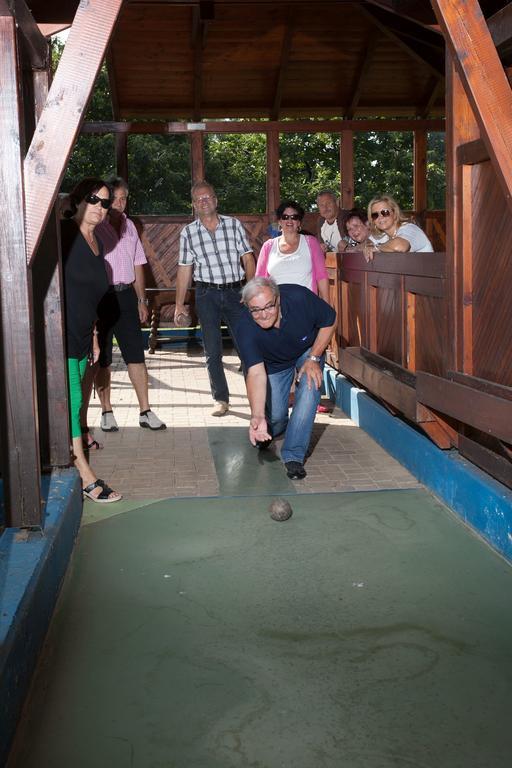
{"points": [[143, 301], [314, 358]]}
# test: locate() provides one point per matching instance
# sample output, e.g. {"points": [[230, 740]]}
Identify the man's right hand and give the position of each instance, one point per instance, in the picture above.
{"points": [[258, 430], [179, 310]]}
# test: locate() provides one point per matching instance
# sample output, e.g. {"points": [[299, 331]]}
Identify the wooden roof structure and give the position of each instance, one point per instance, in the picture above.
{"points": [[203, 60]]}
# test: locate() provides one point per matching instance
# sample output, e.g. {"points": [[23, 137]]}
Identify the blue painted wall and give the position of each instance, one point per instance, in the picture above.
{"points": [[482, 502], [32, 567]]}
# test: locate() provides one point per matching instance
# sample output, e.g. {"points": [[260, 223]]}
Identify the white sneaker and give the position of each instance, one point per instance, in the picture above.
{"points": [[221, 408], [149, 420], [108, 422]]}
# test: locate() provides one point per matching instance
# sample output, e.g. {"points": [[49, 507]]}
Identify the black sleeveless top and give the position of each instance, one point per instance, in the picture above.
{"points": [[85, 283]]}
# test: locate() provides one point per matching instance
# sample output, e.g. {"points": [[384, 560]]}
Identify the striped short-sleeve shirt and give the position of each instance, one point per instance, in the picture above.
{"points": [[215, 256]]}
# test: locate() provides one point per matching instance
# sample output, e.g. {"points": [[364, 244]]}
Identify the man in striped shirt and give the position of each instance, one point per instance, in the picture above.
{"points": [[215, 253]]}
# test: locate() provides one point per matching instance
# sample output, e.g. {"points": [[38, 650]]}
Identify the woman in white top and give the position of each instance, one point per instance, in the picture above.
{"points": [[391, 232], [293, 257]]}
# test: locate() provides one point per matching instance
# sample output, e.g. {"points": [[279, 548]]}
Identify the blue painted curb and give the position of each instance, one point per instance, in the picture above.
{"points": [[482, 502], [32, 567]]}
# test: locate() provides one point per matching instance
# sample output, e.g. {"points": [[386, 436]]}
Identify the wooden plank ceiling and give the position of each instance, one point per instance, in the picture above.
{"points": [[254, 58]]}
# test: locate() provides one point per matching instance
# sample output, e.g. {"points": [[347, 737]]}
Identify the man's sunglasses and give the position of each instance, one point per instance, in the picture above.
{"points": [[290, 217], [383, 213], [105, 202]]}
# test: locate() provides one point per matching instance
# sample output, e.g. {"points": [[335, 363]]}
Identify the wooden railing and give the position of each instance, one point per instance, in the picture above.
{"points": [[393, 338]]}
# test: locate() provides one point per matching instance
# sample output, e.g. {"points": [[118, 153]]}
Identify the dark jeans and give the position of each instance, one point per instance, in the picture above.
{"points": [[214, 306]]}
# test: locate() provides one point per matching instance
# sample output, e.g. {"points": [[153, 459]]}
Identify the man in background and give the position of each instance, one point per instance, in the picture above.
{"points": [[330, 227], [215, 253]]}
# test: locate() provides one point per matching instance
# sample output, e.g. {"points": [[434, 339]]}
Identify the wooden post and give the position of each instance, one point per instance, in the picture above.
{"points": [[22, 474], [50, 353], [484, 80], [197, 155], [420, 173], [121, 140], [273, 172], [63, 111], [51, 367], [347, 169], [461, 127]]}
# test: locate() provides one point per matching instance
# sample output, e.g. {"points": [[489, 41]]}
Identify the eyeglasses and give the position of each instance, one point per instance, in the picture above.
{"points": [[385, 212], [290, 217], [266, 308], [203, 198], [94, 200]]}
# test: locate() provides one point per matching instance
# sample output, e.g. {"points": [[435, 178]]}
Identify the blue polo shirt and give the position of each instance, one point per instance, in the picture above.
{"points": [[302, 316]]}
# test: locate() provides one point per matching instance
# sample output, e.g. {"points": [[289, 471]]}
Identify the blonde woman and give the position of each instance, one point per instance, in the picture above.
{"points": [[391, 232]]}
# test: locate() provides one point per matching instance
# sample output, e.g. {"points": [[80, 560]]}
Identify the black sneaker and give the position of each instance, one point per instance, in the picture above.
{"points": [[295, 470]]}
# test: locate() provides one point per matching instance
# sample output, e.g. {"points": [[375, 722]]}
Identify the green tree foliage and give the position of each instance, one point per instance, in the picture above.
{"points": [[159, 174], [310, 162], [383, 164], [235, 164], [436, 171]]}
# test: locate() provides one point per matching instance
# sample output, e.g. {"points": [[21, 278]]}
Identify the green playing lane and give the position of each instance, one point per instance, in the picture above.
{"points": [[371, 630]]}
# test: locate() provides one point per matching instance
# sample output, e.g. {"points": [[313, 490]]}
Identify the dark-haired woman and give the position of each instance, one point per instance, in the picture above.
{"points": [[85, 283], [293, 257]]}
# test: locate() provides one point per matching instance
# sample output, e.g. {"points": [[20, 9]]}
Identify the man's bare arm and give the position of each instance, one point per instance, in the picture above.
{"points": [[249, 265], [256, 383], [183, 283]]}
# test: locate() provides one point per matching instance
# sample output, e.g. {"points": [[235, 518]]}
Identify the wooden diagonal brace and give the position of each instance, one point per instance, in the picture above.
{"points": [[483, 79], [60, 120]]}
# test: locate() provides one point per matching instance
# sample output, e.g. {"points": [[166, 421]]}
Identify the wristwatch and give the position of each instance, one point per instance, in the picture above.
{"points": [[144, 301], [315, 358]]}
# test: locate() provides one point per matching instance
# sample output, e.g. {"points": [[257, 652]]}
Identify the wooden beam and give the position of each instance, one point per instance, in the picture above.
{"points": [[273, 172], [121, 142], [492, 415], [347, 169], [198, 41], [51, 365], [412, 50], [112, 83], [495, 465], [362, 68], [420, 172], [52, 29], [58, 126], [20, 449], [461, 127], [500, 26], [419, 13], [472, 153], [284, 58], [484, 80], [35, 43], [259, 126], [432, 93], [378, 382], [197, 156]]}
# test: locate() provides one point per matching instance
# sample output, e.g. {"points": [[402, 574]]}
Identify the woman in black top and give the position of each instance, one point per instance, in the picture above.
{"points": [[85, 283]]}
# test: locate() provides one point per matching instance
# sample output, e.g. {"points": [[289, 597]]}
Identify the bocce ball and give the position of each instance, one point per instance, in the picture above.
{"points": [[280, 510]]}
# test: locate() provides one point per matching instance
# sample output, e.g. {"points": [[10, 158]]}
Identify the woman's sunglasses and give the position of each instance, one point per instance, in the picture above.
{"points": [[94, 200], [383, 213], [290, 217]]}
